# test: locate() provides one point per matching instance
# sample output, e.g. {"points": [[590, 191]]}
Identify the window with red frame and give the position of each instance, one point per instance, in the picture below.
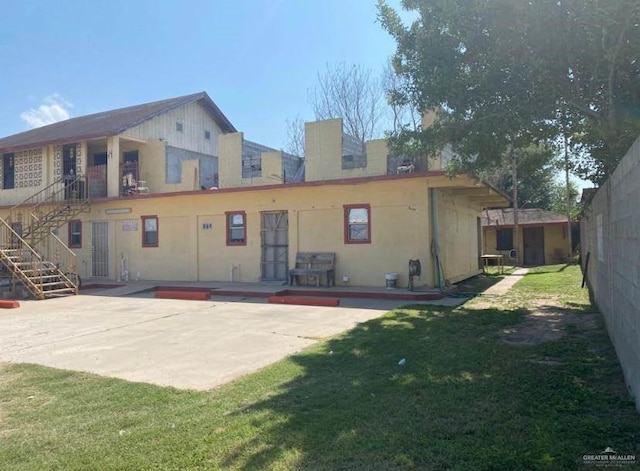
{"points": [[150, 231], [236, 228], [75, 234], [357, 224]]}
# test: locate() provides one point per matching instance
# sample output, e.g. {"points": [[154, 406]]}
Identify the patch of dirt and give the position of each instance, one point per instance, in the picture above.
{"points": [[479, 304], [546, 361], [546, 324]]}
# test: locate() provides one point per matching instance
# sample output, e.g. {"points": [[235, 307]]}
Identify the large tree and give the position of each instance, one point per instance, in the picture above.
{"points": [[504, 74], [353, 93], [295, 136], [536, 171]]}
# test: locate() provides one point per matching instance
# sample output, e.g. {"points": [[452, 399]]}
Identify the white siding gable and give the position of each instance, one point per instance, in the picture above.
{"points": [[195, 121]]}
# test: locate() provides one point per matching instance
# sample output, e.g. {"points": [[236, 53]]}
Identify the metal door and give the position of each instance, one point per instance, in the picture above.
{"points": [[69, 160], [275, 245], [533, 238], [100, 248]]}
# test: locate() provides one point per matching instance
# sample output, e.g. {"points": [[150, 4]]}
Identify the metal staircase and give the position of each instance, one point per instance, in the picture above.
{"points": [[29, 248]]}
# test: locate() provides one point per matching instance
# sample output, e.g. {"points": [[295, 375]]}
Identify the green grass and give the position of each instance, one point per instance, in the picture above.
{"points": [[464, 400], [551, 285], [482, 282]]}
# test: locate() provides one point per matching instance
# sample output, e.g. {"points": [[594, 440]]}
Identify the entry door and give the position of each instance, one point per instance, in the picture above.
{"points": [[533, 238], [275, 245], [130, 164], [8, 171], [69, 160], [100, 248]]}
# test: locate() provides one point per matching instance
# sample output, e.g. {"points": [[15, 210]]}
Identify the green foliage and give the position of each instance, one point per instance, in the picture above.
{"points": [[510, 73], [559, 200], [536, 176]]}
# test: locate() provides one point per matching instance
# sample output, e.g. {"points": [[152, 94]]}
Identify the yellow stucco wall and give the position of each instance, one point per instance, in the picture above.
{"points": [[556, 245], [555, 242], [230, 161], [323, 149], [188, 251], [192, 230], [490, 241], [230, 164], [458, 236], [323, 153]]}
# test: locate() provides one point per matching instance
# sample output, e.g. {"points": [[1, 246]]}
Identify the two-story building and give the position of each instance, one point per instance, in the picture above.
{"points": [[171, 191]]}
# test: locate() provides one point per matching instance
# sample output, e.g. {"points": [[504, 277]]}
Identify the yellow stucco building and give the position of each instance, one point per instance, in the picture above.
{"points": [[171, 191]]}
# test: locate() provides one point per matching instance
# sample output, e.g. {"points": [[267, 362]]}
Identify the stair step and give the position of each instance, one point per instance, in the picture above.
{"points": [[57, 291], [40, 282]]}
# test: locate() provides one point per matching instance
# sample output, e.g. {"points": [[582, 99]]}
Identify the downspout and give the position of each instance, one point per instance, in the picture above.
{"points": [[435, 241], [124, 273]]}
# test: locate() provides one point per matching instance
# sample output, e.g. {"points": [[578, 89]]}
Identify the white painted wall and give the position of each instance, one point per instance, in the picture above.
{"points": [[195, 121]]}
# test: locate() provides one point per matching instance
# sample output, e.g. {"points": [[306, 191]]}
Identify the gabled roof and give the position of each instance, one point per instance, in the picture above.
{"points": [[109, 123], [504, 217]]}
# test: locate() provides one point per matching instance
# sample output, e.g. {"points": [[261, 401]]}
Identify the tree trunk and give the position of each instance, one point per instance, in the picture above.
{"points": [[516, 231], [566, 174]]}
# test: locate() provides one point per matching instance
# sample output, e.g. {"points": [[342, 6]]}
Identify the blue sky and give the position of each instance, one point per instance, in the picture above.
{"points": [[256, 59]]}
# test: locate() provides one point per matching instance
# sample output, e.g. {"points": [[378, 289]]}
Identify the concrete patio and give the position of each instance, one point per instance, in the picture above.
{"points": [[125, 332]]}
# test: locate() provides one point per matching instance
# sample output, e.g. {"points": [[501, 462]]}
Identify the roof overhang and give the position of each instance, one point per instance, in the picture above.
{"points": [[485, 196]]}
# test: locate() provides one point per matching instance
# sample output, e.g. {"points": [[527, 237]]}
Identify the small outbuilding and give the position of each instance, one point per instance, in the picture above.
{"points": [[543, 235]]}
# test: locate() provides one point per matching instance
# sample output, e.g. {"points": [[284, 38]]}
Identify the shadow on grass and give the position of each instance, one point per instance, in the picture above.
{"points": [[546, 269], [480, 283], [462, 400]]}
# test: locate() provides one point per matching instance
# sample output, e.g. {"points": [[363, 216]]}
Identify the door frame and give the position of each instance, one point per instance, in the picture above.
{"points": [[528, 230], [284, 248], [105, 261], [8, 161], [69, 160]]}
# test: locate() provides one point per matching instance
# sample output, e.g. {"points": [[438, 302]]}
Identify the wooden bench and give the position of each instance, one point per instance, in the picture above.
{"points": [[314, 264]]}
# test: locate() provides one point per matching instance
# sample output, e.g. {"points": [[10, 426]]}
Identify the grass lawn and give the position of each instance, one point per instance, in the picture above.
{"points": [[479, 283], [464, 400]]}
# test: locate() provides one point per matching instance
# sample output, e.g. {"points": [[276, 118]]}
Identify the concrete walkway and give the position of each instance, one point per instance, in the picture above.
{"points": [[506, 283]]}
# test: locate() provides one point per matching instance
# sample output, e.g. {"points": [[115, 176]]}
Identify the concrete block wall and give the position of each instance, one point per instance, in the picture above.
{"points": [[610, 234], [230, 164]]}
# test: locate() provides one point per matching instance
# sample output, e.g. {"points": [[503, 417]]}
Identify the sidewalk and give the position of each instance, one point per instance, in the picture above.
{"points": [[506, 283]]}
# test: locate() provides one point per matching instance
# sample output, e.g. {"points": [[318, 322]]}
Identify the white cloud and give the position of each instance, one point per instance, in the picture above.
{"points": [[54, 108]]}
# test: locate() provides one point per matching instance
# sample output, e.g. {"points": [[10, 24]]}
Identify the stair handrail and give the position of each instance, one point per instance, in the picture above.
{"points": [[16, 239], [60, 246], [45, 195], [64, 180]]}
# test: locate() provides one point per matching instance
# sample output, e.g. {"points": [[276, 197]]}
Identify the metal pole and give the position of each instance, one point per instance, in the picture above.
{"points": [[516, 232], [566, 173]]}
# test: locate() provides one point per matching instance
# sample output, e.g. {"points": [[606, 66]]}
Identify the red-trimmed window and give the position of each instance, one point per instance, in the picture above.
{"points": [[357, 224], [236, 228], [150, 231], [75, 234]]}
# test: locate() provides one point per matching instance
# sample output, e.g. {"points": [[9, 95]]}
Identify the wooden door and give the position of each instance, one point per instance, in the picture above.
{"points": [[533, 241]]}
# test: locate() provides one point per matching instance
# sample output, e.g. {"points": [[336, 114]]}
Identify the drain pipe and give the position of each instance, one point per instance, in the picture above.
{"points": [[124, 274], [435, 241]]}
